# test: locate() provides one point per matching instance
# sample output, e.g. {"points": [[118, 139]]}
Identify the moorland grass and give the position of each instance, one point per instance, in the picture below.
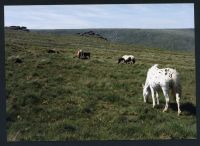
{"points": [[54, 96]]}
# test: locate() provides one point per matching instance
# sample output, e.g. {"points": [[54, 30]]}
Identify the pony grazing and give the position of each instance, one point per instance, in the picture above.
{"points": [[164, 79], [127, 59], [82, 55]]}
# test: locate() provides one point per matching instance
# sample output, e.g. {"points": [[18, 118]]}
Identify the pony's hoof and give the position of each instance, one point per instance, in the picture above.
{"points": [[179, 112], [164, 110]]}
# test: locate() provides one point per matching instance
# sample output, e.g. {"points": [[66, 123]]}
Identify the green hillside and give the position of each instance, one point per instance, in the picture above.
{"points": [[53, 96], [170, 39]]}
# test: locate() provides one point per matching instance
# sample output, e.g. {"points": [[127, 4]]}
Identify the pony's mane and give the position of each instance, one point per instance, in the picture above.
{"points": [[155, 66]]}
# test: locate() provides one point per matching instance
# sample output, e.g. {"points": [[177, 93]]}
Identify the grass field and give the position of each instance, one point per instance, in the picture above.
{"points": [[54, 96]]}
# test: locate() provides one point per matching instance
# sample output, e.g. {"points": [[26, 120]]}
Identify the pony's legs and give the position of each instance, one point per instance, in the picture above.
{"points": [[157, 98], [152, 95], [166, 99], [178, 102]]}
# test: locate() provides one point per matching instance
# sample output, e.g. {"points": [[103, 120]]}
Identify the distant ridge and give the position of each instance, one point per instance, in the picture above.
{"points": [[170, 39], [92, 33], [22, 28]]}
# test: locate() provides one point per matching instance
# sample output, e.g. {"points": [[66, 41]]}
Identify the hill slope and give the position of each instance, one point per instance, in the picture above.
{"points": [[171, 39], [53, 96]]}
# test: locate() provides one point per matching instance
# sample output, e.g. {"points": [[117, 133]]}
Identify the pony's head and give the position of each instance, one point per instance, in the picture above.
{"points": [[78, 53], [146, 92], [120, 60]]}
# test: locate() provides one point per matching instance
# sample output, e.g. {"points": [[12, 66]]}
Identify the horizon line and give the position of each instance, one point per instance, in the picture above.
{"points": [[99, 28]]}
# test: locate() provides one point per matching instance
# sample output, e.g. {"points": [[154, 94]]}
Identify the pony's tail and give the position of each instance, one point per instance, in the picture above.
{"points": [[177, 88]]}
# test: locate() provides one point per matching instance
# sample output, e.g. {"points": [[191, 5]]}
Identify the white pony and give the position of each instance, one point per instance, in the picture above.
{"points": [[165, 79]]}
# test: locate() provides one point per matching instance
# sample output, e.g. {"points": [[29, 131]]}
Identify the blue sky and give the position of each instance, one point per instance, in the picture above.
{"points": [[101, 16]]}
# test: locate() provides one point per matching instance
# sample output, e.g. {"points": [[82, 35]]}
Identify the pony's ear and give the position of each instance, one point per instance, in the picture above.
{"points": [[142, 85]]}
